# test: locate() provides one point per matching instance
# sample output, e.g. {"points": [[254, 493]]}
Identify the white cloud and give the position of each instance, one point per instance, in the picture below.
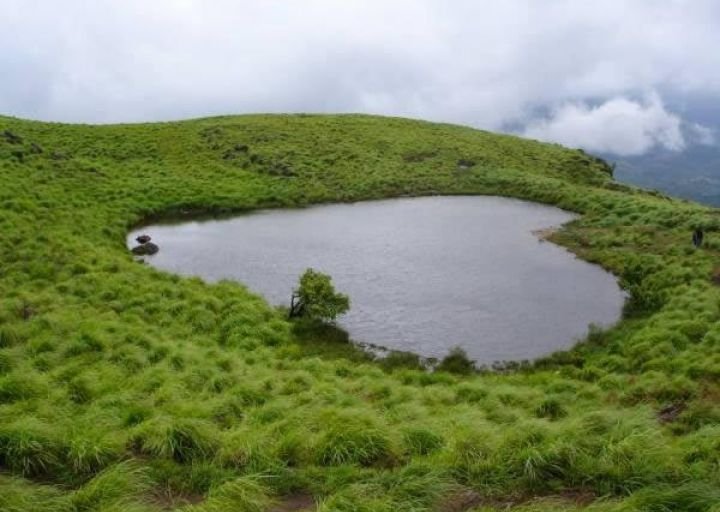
{"points": [[621, 126], [485, 64]]}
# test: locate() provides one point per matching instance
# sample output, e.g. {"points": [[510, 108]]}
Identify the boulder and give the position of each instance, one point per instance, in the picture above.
{"points": [[143, 239], [145, 249]]}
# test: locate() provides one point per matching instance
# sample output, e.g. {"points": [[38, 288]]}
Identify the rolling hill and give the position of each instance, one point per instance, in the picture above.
{"points": [[124, 388]]}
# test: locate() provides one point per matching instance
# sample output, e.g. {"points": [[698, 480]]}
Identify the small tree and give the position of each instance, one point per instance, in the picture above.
{"points": [[316, 298], [457, 361]]}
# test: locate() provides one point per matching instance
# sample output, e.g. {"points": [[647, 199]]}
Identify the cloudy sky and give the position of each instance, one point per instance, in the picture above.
{"points": [[622, 77]]}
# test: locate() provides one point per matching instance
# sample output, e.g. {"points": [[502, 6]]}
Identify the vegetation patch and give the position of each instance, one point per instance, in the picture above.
{"points": [[126, 388]]}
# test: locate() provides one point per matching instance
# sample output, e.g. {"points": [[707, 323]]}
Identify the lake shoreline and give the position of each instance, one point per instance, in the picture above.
{"points": [[363, 333]]}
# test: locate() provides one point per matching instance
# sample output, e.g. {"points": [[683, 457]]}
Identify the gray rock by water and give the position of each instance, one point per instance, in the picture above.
{"points": [[145, 249]]}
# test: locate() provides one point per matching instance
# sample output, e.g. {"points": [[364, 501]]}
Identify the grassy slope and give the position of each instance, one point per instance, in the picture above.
{"points": [[123, 388]]}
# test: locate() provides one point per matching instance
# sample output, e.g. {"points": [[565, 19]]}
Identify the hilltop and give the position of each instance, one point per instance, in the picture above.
{"points": [[125, 388]]}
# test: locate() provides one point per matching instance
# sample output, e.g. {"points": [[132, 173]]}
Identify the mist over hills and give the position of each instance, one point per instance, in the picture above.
{"points": [[692, 174], [683, 161]]}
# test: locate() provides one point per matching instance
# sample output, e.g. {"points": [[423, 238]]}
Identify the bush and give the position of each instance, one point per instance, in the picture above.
{"points": [[316, 298], [457, 361], [398, 359]]}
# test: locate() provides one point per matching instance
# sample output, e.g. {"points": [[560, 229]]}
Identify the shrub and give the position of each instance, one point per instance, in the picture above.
{"points": [[316, 298], [397, 359], [457, 361]]}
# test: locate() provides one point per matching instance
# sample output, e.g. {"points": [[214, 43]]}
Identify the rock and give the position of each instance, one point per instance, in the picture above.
{"points": [[143, 239], [145, 249]]}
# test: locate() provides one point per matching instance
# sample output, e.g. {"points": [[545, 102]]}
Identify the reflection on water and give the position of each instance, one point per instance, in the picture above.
{"points": [[423, 274]]}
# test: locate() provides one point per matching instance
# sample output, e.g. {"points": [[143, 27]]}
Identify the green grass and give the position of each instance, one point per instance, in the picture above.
{"points": [[125, 388]]}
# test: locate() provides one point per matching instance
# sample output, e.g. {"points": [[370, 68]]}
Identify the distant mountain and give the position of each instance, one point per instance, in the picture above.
{"points": [[691, 174]]}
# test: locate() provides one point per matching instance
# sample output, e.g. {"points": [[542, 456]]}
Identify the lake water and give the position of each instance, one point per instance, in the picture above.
{"points": [[423, 274]]}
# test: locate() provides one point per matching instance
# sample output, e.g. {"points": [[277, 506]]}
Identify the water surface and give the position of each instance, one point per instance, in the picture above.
{"points": [[423, 274]]}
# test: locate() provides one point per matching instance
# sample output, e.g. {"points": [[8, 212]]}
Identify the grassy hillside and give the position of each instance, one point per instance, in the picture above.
{"points": [[123, 388]]}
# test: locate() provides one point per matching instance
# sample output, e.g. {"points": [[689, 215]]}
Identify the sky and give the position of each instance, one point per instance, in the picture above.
{"points": [[617, 77]]}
